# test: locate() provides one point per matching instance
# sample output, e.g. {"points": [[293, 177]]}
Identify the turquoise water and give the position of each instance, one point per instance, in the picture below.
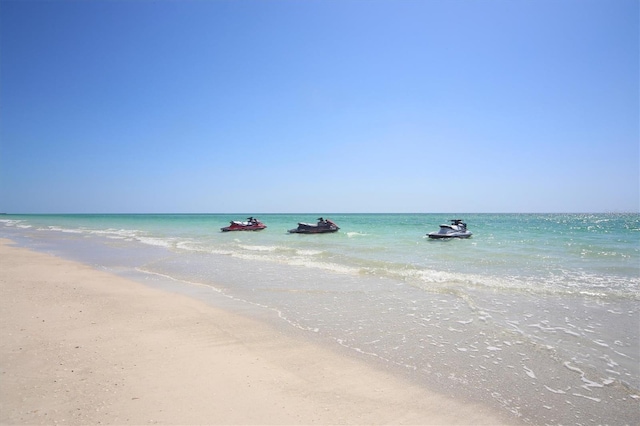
{"points": [[536, 314]]}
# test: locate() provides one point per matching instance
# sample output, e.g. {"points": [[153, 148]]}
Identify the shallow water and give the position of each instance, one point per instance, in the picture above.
{"points": [[537, 315]]}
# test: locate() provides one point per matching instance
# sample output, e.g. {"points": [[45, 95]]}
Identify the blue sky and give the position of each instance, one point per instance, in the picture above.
{"points": [[319, 106]]}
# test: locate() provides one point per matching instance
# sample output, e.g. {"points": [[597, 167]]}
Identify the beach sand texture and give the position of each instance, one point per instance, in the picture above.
{"points": [[82, 346]]}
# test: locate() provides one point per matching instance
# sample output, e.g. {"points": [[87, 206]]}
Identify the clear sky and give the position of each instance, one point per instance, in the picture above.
{"points": [[319, 106]]}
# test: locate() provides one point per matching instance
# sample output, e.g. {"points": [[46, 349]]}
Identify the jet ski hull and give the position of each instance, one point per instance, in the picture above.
{"points": [[437, 235], [242, 228], [253, 225], [322, 227], [299, 230], [457, 229]]}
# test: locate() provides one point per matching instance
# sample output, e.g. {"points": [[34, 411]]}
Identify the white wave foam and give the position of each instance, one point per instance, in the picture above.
{"points": [[529, 372], [356, 234], [588, 397], [15, 223], [222, 252], [309, 252], [116, 234], [300, 261], [259, 248], [11, 222], [556, 391], [332, 267], [119, 234], [65, 230], [189, 245], [169, 277], [158, 242]]}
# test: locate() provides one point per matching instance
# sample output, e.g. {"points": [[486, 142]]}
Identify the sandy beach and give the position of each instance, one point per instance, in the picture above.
{"points": [[81, 346]]}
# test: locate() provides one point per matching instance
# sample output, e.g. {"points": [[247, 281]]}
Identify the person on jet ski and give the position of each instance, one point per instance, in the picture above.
{"points": [[460, 223]]}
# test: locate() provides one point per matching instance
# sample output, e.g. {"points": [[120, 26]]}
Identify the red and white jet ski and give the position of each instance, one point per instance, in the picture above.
{"points": [[252, 224]]}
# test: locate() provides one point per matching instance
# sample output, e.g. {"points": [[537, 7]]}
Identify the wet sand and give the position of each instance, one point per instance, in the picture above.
{"points": [[82, 346]]}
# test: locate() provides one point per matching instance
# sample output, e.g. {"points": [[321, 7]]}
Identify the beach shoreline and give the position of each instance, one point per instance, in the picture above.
{"points": [[83, 346]]}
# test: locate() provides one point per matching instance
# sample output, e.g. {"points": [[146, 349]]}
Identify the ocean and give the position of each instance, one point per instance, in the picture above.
{"points": [[536, 315]]}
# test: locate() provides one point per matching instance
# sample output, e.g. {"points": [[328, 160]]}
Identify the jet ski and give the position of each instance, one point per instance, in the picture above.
{"points": [[457, 229], [323, 226], [252, 224]]}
